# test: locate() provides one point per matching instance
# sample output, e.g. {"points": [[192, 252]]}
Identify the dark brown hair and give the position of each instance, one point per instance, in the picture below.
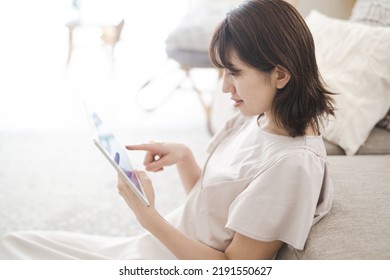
{"points": [[267, 33]]}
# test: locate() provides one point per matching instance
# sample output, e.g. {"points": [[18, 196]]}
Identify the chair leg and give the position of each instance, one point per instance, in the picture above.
{"points": [[206, 104], [70, 44]]}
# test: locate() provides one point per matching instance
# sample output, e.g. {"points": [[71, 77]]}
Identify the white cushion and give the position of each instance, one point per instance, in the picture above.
{"points": [[194, 32], [354, 60]]}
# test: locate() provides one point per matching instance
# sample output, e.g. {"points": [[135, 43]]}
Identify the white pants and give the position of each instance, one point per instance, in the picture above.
{"points": [[48, 245]]}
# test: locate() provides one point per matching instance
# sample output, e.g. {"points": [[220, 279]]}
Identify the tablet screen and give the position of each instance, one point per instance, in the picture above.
{"points": [[114, 149]]}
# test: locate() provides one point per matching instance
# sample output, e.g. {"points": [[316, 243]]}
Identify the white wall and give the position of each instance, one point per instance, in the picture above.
{"points": [[334, 8]]}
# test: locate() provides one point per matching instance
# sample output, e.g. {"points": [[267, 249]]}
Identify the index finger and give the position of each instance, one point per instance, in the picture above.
{"points": [[141, 147]]}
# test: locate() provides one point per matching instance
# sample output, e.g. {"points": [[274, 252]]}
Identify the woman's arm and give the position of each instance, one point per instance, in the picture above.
{"points": [[184, 247], [188, 169], [159, 155]]}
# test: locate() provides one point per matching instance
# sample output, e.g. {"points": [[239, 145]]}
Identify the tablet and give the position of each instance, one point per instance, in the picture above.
{"points": [[116, 154]]}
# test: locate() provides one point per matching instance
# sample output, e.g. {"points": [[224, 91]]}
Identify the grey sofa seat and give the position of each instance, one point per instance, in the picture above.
{"points": [[357, 226]]}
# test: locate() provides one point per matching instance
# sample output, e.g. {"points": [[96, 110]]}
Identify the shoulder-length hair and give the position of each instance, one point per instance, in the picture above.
{"points": [[267, 33]]}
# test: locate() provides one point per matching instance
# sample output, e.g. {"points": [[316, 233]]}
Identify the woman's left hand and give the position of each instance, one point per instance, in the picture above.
{"points": [[141, 211]]}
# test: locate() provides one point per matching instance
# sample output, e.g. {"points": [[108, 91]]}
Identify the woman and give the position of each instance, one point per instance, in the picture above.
{"points": [[266, 181]]}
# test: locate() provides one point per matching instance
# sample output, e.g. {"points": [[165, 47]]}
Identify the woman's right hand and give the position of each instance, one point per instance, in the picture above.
{"points": [[159, 155]]}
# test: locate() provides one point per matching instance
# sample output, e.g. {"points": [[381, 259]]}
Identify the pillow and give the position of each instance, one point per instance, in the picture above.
{"points": [[373, 13], [354, 61]]}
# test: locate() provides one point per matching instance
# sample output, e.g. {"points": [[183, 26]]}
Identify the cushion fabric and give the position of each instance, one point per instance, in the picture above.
{"points": [[374, 12], [354, 60]]}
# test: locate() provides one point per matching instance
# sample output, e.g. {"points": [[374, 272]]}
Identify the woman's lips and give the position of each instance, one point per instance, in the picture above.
{"points": [[237, 102]]}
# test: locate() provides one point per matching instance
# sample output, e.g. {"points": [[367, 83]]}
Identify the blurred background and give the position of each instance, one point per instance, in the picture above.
{"points": [[51, 175], [39, 90]]}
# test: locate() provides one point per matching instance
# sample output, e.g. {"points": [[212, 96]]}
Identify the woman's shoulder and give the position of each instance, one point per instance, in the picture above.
{"points": [[296, 154]]}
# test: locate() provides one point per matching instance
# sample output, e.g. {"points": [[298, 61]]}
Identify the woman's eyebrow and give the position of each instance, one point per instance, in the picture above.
{"points": [[232, 67]]}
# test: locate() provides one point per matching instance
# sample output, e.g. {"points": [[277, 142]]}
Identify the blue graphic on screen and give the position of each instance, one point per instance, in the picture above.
{"points": [[116, 151]]}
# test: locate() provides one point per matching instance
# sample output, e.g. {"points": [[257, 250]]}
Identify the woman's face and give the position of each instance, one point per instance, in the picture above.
{"points": [[252, 91]]}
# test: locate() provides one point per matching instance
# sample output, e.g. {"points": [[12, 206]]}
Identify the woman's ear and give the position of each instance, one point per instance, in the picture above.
{"points": [[282, 76]]}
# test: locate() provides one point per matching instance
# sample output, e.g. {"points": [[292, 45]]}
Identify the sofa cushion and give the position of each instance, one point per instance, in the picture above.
{"points": [[375, 13], [358, 225], [354, 60]]}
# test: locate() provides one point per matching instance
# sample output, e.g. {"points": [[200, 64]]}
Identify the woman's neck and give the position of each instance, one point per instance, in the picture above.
{"points": [[268, 124]]}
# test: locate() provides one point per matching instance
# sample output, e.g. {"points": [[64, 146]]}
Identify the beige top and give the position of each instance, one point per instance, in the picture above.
{"points": [[265, 186]]}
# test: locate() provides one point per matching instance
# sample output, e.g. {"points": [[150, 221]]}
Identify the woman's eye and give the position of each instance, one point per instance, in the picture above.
{"points": [[232, 72]]}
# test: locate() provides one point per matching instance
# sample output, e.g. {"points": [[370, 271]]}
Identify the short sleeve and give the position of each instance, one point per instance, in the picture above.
{"points": [[284, 200]]}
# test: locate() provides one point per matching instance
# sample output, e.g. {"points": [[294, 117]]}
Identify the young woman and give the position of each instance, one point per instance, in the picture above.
{"points": [[266, 181]]}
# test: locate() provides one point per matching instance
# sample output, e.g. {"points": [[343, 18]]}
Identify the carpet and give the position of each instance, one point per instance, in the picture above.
{"points": [[56, 179]]}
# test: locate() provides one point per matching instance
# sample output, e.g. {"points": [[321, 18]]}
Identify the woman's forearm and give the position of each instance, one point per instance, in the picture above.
{"points": [[189, 170], [178, 243], [182, 246]]}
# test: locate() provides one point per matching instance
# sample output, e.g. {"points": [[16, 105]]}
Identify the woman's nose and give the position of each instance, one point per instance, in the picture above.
{"points": [[227, 83]]}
